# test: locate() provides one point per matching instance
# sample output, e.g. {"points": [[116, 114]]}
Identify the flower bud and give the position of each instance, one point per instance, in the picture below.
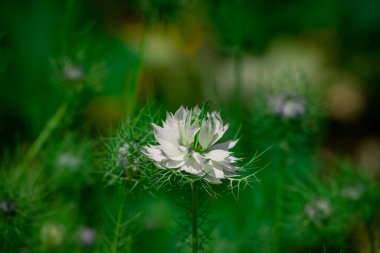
{"points": [[52, 234], [318, 211], [73, 73], [8, 207], [288, 106], [87, 236], [122, 155], [353, 192], [68, 160]]}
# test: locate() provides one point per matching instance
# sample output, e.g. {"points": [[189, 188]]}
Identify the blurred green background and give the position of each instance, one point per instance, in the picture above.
{"points": [[180, 52]]}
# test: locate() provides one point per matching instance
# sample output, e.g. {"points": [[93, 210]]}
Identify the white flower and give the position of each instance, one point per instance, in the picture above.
{"points": [[353, 192], [69, 160], [319, 211], [8, 207], [73, 73], [288, 105], [122, 159], [52, 234], [189, 144], [87, 236]]}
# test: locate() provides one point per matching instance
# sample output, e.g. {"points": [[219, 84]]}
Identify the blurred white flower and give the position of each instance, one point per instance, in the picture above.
{"points": [[69, 160], [73, 73], [128, 164], [319, 211], [122, 155], [8, 207], [87, 236], [188, 143], [52, 234], [353, 192], [288, 106]]}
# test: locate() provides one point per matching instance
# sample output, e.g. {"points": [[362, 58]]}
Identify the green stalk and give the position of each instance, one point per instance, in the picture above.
{"points": [[238, 72], [194, 222], [115, 243], [135, 78], [50, 126], [278, 201], [68, 18], [371, 237]]}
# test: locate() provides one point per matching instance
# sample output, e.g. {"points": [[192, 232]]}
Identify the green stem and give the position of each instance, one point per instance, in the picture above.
{"points": [[279, 199], [67, 23], [115, 243], [238, 72], [50, 126], [371, 237], [135, 77], [194, 222]]}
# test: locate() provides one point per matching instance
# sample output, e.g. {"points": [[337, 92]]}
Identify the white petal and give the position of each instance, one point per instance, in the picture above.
{"points": [[211, 179], [171, 151], [225, 145], [191, 170], [192, 166], [173, 164], [206, 134], [231, 159], [153, 149], [158, 158], [154, 153], [170, 122], [165, 134], [187, 131], [198, 158], [224, 166], [218, 173], [217, 155], [220, 132], [181, 113], [212, 130], [187, 134]]}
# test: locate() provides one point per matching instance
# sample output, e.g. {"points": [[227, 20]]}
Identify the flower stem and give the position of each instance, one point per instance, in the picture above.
{"points": [[115, 243], [279, 199], [371, 237], [194, 222], [238, 74], [50, 126], [134, 77]]}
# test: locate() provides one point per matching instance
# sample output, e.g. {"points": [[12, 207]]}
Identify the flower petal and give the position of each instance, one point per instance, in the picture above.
{"points": [[225, 145], [217, 155], [171, 164], [172, 152], [211, 179], [166, 134], [154, 152], [212, 130], [192, 166]]}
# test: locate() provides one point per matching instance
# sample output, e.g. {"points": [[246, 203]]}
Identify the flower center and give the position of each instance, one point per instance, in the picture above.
{"points": [[202, 115]]}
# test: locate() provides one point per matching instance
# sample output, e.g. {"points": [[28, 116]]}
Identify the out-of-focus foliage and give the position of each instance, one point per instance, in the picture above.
{"points": [[298, 82]]}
